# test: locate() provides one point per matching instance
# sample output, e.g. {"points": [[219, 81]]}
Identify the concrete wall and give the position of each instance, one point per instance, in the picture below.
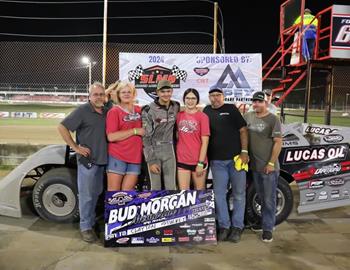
{"points": [[14, 154]]}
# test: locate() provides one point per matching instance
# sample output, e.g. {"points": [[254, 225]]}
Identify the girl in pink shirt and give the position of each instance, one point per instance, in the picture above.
{"points": [[124, 131], [193, 137]]}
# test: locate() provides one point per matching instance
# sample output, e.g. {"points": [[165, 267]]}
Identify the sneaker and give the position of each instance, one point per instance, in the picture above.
{"points": [[88, 236], [266, 237], [235, 235], [223, 234], [256, 228]]}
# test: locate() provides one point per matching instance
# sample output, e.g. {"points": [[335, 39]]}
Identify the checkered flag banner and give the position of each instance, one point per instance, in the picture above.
{"points": [[179, 74], [136, 73]]}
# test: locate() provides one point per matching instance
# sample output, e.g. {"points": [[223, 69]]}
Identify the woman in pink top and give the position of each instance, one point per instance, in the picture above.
{"points": [[193, 137], [124, 131]]}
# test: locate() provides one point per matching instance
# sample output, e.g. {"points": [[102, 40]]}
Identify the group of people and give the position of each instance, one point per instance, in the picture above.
{"points": [[113, 134]]}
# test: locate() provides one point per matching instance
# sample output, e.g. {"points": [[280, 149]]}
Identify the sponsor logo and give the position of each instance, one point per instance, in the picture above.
{"points": [[346, 193], [201, 231], [180, 232], [197, 225], [185, 226], [197, 238], [320, 130], [235, 86], [168, 232], [191, 232], [137, 240], [335, 194], [123, 240], [335, 182], [323, 197], [310, 194], [201, 71], [210, 238], [168, 239], [333, 138], [157, 232], [211, 229], [237, 78], [209, 224], [310, 199], [209, 219], [297, 155], [152, 240], [290, 143], [120, 198], [323, 193], [144, 195], [316, 184], [184, 239], [328, 169], [148, 78]]}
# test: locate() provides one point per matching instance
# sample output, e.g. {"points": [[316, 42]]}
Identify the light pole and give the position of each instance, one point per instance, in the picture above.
{"points": [[346, 102], [86, 61]]}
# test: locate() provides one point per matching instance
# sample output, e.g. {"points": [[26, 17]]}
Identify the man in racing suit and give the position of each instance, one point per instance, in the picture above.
{"points": [[158, 120]]}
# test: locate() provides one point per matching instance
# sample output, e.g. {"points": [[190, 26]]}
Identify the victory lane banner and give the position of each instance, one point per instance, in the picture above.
{"points": [[239, 75], [159, 218]]}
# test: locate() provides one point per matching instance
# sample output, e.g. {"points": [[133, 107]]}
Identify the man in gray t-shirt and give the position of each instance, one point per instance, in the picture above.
{"points": [[265, 143], [88, 121]]}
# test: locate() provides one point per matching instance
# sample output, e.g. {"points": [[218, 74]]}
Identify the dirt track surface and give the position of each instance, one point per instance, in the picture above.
{"points": [[30, 135]]}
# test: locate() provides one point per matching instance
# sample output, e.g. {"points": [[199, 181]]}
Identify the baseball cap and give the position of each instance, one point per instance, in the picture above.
{"points": [[162, 84], [215, 88], [259, 96], [267, 92]]}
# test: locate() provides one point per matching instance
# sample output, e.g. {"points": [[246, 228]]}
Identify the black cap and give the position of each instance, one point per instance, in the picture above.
{"points": [[215, 88], [259, 96]]}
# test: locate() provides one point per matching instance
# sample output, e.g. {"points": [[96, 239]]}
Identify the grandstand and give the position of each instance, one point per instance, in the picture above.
{"points": [[43, 93]]}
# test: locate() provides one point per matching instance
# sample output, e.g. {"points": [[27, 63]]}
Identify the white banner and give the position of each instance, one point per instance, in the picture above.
{"points": [[239, 75], [24, 115]]}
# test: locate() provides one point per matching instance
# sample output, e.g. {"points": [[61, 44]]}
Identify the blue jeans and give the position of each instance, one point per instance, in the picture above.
{"points": [[90, 186], [224, 173], [266, 185]]}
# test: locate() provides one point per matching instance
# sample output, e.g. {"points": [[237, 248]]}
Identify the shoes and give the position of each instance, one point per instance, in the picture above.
{"points": [[267, 237], [235, 235], [256, 228], [88, 236], [223, 234]]}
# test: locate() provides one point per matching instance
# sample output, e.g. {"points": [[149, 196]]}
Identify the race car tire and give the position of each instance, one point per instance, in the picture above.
{"points": [[55, 196], [284, 203]]}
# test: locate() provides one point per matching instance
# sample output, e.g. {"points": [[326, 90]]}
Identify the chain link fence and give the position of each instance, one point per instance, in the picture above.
{"points": [[295, 102], [44, 71]]}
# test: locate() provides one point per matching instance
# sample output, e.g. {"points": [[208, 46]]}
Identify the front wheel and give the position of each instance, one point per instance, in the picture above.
{"points": [[284, 203], [55, 195]]}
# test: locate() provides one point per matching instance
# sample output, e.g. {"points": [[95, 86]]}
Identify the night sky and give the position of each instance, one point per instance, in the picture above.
{"points": [[250, 26]]}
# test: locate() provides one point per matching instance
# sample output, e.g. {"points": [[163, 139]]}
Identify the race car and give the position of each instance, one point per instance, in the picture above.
{"points": [[316, 157]]}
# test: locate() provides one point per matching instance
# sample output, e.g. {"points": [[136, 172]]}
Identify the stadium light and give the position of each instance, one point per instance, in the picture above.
{"points": [[86, 61]]}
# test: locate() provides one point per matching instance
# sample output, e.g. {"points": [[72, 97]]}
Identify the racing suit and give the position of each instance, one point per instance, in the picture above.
{"points": [[158, 142]]}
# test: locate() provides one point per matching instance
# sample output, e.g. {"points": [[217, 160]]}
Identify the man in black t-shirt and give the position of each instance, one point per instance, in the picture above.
{"points": [[228, 139]]}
